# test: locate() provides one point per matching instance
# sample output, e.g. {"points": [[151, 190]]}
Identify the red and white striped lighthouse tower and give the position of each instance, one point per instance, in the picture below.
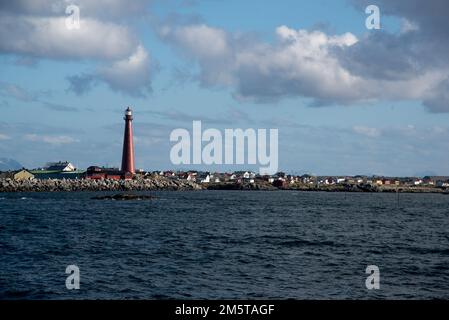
{"points": [[128, 145]]}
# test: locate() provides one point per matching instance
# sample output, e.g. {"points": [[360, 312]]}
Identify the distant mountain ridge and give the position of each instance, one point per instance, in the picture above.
{"points": [[7, 164]]}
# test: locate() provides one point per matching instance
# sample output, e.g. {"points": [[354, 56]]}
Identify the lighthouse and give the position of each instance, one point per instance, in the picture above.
{"points": [[128, 145]]}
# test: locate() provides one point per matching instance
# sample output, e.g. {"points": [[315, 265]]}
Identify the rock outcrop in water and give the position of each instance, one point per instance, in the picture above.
{"points": [[125, 196]]}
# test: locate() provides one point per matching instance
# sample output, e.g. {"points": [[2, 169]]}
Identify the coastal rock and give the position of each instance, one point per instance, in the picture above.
{"points": [[124, 196], [52, 185], [162, 183]]}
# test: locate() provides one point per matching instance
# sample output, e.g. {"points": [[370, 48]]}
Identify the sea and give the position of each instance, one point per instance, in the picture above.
{"points": [[225, 245]]}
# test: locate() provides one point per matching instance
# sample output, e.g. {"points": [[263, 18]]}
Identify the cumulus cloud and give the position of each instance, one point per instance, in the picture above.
{"points": [[130, 75], [37, 30], [420, 48], [48, 37], [328, 69], [211, 47], [300, 63]]}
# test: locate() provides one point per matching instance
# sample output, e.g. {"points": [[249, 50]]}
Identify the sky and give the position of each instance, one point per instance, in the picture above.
{"points": [[346, 100]]}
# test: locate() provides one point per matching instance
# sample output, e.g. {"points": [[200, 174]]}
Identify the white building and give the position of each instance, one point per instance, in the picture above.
{"points": [[203, 178], [63, 166]]}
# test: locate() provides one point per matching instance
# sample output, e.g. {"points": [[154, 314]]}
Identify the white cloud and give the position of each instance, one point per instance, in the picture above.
{"points": [[211, 47], [50, 139], [300, 63], [48, 37], [130, 75], [37, 30], [199, 40]]}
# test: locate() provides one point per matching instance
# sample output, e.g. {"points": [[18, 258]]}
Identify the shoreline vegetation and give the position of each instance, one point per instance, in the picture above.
{"points": [[167, 184]]}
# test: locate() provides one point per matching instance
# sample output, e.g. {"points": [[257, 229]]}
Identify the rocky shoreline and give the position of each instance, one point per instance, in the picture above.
{"points": [[52, 185], [162, 183]]}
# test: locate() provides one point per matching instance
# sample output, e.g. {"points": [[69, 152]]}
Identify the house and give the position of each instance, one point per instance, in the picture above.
{"points": [[293, 179], [216, 177], [245, 174], [307, 179], [203, 177], [18, 175], [189, 176], [61, 166], [169, 174], [249, 177], [440, 181], [329, 181], [443, 184]]}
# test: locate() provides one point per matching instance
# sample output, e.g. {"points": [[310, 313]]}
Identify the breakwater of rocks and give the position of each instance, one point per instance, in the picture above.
{"points": [[50, 185], [154, 183]]}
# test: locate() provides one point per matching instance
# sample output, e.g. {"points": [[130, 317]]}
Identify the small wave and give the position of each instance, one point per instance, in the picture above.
{"points": [[23, 198]]}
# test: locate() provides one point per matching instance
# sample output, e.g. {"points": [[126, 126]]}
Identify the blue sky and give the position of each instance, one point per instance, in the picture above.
{"points": [[361, 102]]}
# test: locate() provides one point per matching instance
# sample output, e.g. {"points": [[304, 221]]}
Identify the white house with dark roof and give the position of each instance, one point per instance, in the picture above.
{"points": [[62, 166]]}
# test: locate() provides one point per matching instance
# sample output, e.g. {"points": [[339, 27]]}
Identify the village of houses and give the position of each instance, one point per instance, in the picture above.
{"points": [[64, 170]]}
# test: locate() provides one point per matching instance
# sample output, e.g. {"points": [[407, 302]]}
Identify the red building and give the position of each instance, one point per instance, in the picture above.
{"points": [[101, 173]]}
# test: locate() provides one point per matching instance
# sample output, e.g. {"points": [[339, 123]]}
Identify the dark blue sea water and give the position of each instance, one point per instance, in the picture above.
{"points": [[214, 244]]}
